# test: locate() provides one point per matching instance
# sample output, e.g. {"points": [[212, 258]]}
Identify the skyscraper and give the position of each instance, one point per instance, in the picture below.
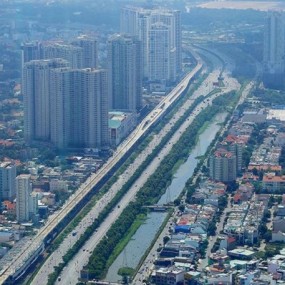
{"points": [[65, 98], [223, 166], [159, 55], [274, 50], [35, 89], [7, 181], [68, 107], [80, 53], [72, 54], [79, 113], [30, 51], [148, 25], [89, 51], [23, 191], [125, 72]]}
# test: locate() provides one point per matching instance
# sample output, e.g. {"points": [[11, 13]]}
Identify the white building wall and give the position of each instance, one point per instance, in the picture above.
{"points": [[23, 190], [7, 181]]}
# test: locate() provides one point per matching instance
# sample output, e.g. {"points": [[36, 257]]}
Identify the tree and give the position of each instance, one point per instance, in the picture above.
{"points": [[203, 247], [271, 201], [125, 280], [222, 202], [181, 208], [257, 186], [177, 202], [267, 214], [232, 186], [21, 169], [166, 239], [255, 171], [205, 169], [268, 236], [212, 228], [262, 229]]}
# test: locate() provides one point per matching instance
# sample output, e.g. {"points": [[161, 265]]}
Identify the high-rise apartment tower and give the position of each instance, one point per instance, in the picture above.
{"points": [[79, 111], [125, 72], [274, 50], [36, 92], [23, 192], [160, 33], [7, 181]]}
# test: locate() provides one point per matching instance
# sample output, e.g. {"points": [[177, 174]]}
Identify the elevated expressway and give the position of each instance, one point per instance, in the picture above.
{"points": [[21, 261]]}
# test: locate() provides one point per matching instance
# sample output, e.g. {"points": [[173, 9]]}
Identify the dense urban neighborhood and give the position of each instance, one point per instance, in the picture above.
{"points": [[142, 142]]}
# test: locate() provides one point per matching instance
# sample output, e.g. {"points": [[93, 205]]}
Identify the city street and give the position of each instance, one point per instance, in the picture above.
{"points": [[204, 262]]}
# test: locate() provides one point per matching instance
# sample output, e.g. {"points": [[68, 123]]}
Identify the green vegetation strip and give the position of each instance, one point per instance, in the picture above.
{"points": [[87, 234], [58, 269], [131, 159], [151, 191], [84, 237], [140, 219], [180, 103], [74, 223], [197, 168]]}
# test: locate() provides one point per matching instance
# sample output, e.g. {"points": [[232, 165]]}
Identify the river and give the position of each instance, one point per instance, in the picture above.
{"points": [[143, 237]]}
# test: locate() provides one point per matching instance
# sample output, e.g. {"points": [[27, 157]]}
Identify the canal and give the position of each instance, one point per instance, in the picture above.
{"points": [[143, 237]]}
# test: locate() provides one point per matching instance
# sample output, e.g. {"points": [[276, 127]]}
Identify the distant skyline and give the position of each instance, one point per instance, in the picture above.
{"points": [[237, 4]]}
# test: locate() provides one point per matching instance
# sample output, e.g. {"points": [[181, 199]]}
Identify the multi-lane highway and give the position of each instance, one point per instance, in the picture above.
{"points": [[146, 268], [27, 251], [232, 84], [71, 272]]}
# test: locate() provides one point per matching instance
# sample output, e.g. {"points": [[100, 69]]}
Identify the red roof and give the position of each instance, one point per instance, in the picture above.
{"points": [[9, 205], [183, 221], [265, 167], [237, 197], [231, 138], [223, 153], [220, 191], [231, 239], [6, 143], [269, 178]]}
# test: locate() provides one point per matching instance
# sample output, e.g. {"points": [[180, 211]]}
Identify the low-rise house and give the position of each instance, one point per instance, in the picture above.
{"points": [[220, 278], [278, 228], [280, 211], [9, 207], [57, 185], [278, 224], [241, 253], [168, 276], [6, 236], [247, 277]]}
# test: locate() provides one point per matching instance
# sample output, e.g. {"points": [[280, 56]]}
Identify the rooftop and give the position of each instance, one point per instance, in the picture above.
{"points": [[273, 178], [223, 153], [241, 251]]}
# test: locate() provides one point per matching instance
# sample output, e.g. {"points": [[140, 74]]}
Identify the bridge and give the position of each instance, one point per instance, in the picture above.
{"points": [[103, 283], [159, 208]]}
